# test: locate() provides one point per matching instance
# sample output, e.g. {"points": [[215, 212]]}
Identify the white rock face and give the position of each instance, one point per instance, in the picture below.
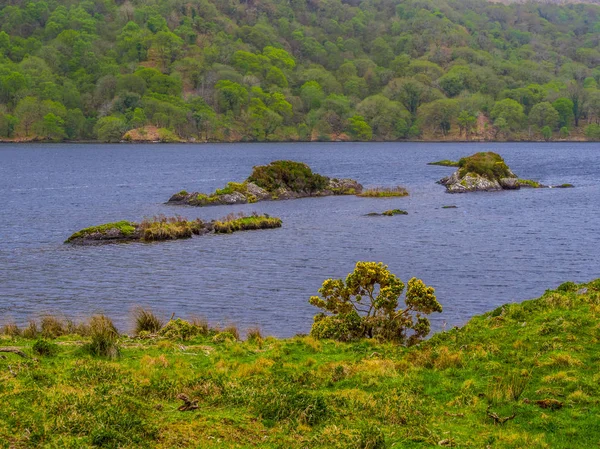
{"points": [[472, 182]]}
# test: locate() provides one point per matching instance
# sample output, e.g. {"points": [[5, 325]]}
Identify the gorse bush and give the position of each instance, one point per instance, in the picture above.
{"points": [[45, 348], [290, 175], [489, 165], [366, 305]]}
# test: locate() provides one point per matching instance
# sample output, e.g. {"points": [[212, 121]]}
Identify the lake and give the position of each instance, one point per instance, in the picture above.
{"points": [[494, 248]]}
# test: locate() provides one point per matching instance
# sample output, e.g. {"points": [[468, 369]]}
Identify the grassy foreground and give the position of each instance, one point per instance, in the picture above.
{"points": [[535, 363]]}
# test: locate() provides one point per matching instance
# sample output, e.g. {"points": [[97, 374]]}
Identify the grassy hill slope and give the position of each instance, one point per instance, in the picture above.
{"points": [[535, 363]]}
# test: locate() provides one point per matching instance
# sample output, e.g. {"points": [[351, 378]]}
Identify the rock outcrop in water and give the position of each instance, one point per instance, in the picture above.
{"points": [[279, 180], [163, 228], [487, 172]]}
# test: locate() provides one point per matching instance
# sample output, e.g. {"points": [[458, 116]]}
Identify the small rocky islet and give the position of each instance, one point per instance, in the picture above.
{"points": [[485, 171], [163, 228], [279, 180], [387, 213]]}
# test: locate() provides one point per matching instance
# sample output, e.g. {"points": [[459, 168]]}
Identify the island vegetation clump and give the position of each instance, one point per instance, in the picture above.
{"points": [[384, 192], [161, 228], [388, 213], [486, 164], [278, 180], [240, 222], [522, 375], [288, 175], [445, 163]]}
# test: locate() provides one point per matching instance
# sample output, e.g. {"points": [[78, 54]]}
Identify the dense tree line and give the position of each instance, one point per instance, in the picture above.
{"points": [[298, 69]]}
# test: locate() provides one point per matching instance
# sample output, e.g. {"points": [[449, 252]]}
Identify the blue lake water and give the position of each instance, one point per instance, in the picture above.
{"points": [[492, 249]]}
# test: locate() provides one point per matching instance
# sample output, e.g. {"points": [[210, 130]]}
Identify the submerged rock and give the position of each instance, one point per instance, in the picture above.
{"points": [[279, 180], [388, 213]]}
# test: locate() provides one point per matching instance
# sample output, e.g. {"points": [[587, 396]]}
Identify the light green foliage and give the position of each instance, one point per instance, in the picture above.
{"points": [[544, 115], [564, 107], [510, 111], [360, 129], [97, 56], [546, 132], [366, 305], [110, 129]]}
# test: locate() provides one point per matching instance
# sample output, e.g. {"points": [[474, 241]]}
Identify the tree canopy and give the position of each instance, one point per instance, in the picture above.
{"points": [[299, 69]]}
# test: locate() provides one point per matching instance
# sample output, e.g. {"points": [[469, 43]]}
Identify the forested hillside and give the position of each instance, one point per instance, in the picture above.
{"points": [[225, 70]]}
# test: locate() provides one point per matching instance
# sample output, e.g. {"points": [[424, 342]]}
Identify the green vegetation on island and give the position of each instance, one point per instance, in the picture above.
{"points": [[275, 70], [279, 180], [523, 375], [388, 213], [445, 163], [161, 228], [384, 192]]}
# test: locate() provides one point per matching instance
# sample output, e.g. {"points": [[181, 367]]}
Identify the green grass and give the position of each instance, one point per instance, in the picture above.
{"points": [[124, 227], [161, 228], [445, 163], [489, 165], [233, 223], [537, 360], [392, 212], [384, 192], [530, 183]]}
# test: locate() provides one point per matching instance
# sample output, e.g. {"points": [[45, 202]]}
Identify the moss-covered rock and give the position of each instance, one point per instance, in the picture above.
{"points": [[279, 180], [481, 172]]}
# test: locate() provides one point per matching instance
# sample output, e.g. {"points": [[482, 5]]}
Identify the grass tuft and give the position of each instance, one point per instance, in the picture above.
{"points": [[146, 321], [384, 192], [232, 223], [104, 337]]}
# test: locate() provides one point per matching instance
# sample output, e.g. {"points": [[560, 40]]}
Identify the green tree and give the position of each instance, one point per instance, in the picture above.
{"points": [[52, 127], [110, 129], [546, 132], [544, 115], [312, 95], [231, 96], [466, 122], [8, 124], [28, 111], [510, 111], [564, 107], [360, 129], [439, 114], [365, 304]]}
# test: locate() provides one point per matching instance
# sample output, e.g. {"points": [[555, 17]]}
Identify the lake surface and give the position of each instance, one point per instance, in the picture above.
{"points": [[492, 249]]}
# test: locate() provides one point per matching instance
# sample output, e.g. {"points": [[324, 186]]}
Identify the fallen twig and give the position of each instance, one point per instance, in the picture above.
{"points": [[188, 404], [14, 350], [497, 419]]}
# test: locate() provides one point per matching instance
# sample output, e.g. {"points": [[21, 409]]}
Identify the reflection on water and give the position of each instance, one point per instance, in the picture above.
{"points": [[492, 249]]}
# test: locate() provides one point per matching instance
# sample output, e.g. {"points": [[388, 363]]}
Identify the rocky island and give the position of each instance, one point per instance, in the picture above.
{"points": [[487, 171], [279, 180], [163, 228]]}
